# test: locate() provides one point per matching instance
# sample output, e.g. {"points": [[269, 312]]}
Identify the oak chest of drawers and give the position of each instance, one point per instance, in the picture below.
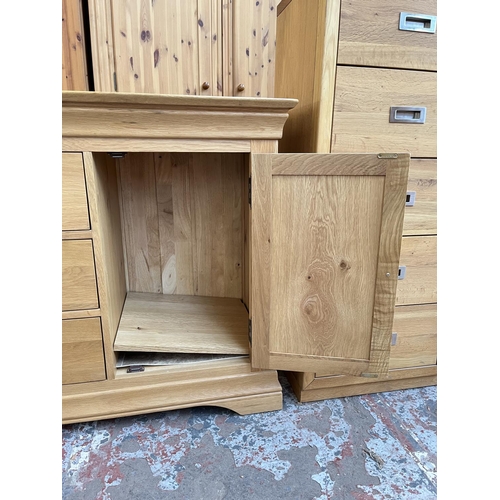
{"points": [[364, 73]]}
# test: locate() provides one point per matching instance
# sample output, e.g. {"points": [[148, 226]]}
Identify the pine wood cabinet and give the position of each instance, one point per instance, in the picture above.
{"points": [[219, 261], [196, 47], [365, 75]]}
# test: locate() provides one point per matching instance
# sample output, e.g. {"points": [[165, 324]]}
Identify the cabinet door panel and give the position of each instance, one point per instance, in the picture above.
{"points": [[325, 239], [253, 48], [166, 47]]}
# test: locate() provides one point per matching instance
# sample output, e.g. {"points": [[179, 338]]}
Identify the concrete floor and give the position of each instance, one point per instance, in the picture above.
{"points": [[380, 446]]}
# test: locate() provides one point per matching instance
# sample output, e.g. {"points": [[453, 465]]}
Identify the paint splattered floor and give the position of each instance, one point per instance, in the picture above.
{"points": [[379, 446]]}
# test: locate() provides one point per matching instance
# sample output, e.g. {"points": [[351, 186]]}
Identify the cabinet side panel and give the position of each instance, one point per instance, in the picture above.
{"points": [[102, 185], [140, 222]]}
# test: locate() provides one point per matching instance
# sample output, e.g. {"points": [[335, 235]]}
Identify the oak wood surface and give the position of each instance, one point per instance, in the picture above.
{"points": [[416, 341], [75, 212], [228, 383], [95, 121], [363, 97], [106, 223], [344, 386], [182, 222], [79, 288], [419, 255], [421, 218], [82, 351], [306, 52], [318, 290], [370, 35], [182, 323]]}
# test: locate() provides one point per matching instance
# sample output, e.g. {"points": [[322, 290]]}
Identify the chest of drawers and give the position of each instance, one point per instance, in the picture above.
{"points": [[365, 75]]}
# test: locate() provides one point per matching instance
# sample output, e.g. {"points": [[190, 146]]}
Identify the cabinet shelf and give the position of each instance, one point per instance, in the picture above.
{"points": [[153, 322]]}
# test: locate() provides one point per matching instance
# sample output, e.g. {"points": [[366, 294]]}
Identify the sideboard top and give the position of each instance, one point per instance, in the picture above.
{"points": [[105, 121]]}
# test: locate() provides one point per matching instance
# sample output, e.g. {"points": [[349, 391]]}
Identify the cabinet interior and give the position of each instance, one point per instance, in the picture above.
{"points": [[181, 256]]}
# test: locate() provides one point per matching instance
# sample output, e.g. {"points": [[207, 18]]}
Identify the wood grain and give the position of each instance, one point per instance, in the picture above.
{"points": [[306, 52], [82, 351], [370, 35], [181, 323], [254, 48], [223, 383], [140, 222], [421, 219], [74, 62], [75, 212], [326, 284], [363, 97], [391, 230], [79, 288], [105, 213], [419, 255]]}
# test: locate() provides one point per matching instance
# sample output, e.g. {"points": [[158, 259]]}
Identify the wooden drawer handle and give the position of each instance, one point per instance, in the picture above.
{"points": [[417, 22], [407, 114]]}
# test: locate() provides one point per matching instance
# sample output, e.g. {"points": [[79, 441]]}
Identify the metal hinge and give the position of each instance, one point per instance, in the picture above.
{"points": [[394, 338], [114, 82], [250, 191], [250, 331], [387, 155], [116, 154]]}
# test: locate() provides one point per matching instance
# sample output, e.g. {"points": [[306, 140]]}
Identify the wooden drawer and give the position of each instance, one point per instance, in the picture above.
{"points": [[416, 336], [421, 216], [79, 288], [75, 213], [419, 284], [370, 34], [363, 101], [82, 351]]}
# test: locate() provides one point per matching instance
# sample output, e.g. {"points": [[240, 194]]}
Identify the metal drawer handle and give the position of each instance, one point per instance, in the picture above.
{"points": [[410, 198], [407, 114], [401, 272], [417, 22]]}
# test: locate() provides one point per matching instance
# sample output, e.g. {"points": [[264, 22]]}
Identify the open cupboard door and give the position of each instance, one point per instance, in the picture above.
{"points": [[325, 239]]}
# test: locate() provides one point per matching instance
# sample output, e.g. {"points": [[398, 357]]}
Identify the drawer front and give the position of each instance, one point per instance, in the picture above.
{"points": [[82, 351], [364, 99], [421, 198], [415, 332], [418, 277], [79, 289], [380, 33], [75, 213]]}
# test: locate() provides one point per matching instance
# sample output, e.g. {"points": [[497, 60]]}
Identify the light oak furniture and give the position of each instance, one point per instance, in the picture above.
{"points": [[364, 72], [206, 242], [193, 47]]}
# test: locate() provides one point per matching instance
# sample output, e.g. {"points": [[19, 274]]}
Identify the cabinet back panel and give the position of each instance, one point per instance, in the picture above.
{"points": [[324, 263], [182, 223]]}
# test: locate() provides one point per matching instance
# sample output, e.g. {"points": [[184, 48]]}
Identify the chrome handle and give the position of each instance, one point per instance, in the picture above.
{"points": [[417, 22], [401, 272], [410, 198], [407, 114]]}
